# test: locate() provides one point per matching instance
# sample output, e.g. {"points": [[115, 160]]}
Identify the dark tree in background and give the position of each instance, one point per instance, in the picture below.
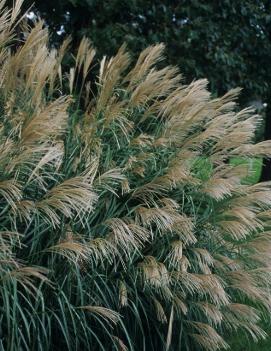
{"points": [[227, 41]]}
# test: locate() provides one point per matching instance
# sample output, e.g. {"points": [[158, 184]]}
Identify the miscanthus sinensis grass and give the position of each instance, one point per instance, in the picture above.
{"points": [[112, 234]]}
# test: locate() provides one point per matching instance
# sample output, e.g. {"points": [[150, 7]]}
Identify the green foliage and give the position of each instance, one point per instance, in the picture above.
{"points": [[112, 234], [227, 42], [203, 168], [254, 165], [241, 343]]}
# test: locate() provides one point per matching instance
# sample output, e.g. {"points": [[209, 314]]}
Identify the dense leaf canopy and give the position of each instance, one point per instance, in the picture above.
{"points": [[226, 41]]}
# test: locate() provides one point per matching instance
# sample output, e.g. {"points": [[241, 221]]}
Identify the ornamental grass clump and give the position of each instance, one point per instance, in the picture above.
{"points": [[123, 225]]}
